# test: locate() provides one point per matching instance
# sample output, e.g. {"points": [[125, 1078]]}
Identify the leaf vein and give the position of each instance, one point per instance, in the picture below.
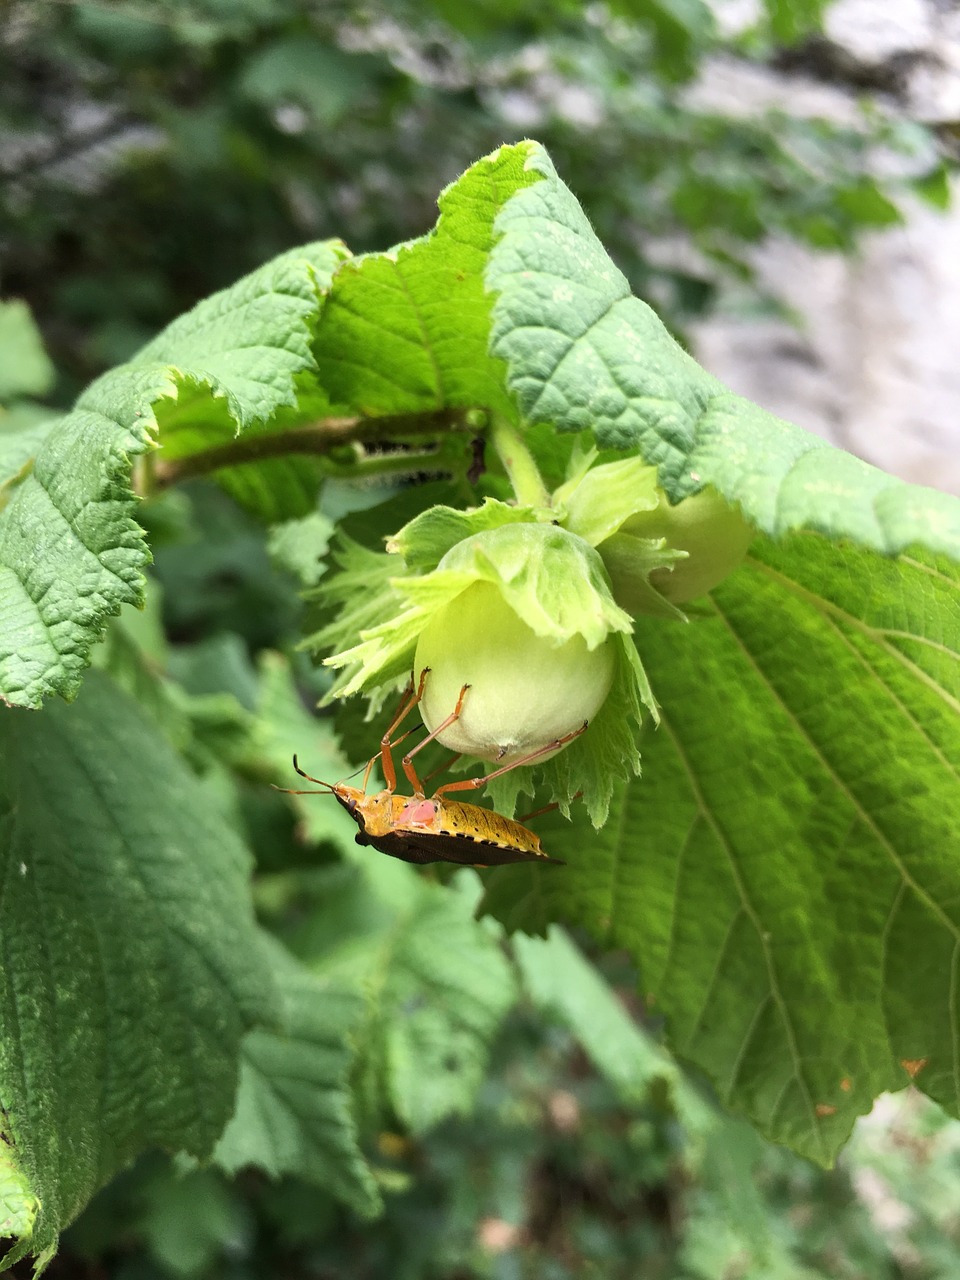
{"points": [[824, 606], [839, 782], [754, 918]]}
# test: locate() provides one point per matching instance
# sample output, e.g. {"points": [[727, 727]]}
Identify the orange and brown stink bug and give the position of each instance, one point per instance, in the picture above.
{"points": [[417, 829]]}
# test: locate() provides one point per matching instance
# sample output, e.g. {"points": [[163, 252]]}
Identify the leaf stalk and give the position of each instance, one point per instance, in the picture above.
{"points": [[518, 462]]}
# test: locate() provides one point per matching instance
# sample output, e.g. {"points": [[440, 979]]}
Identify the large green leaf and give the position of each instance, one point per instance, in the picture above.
{"points": [[71, 552], [293, 1111], [583, 353], [786, 872], [131, 965]]}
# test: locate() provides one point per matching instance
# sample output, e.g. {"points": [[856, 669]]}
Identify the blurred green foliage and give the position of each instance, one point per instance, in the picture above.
{"points": [[554, 1177]]}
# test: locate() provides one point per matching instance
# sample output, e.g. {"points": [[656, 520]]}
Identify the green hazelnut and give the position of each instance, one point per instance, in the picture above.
{"points": [[525, 690]]}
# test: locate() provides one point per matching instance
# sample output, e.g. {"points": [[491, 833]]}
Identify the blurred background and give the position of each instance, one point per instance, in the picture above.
{"points": [[775, 179]]}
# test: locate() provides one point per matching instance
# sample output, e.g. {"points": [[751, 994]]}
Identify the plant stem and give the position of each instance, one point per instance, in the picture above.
{"points": [[317, 438], [519, 465], [388, 464]]}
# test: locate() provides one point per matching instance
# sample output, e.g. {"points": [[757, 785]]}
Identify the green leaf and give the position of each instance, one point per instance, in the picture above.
{"points": [[792, 20], [190, 1219], [934, 187], [407, 330], [582, 352], [359, 593], [426, 539], [551, 579], [139, 674], [681, 27], [866, 203], [71, 552], [293, 1112], [307, 70], [436, 982], [131, 964], [785, 874], [300, 546], [25, 369], [733, 1226]]}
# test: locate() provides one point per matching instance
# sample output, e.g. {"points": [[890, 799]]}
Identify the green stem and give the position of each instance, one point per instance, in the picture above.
{"points": [[388, 464], [317, 439], [519, 465]]}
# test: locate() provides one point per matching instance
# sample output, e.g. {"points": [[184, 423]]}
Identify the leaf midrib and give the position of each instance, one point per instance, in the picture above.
{"points": [[762, 937]]}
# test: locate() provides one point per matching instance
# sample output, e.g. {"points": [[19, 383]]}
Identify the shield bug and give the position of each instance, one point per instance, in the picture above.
{"points": [[435, 829]]}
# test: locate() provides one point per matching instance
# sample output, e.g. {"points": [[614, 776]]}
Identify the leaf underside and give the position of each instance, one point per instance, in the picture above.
{"points": [[786, 872]]}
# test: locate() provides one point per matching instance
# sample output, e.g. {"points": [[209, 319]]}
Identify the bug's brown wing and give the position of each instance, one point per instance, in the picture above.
{"points": [[412, 846]]}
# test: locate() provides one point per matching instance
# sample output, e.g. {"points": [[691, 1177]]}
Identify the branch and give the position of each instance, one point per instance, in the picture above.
{"points": [[317, 439]]}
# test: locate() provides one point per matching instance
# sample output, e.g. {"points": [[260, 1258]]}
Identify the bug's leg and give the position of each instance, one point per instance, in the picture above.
{"points": [[373, 759], [471, 784], [407, 761], [410, 700], [366, 772]]}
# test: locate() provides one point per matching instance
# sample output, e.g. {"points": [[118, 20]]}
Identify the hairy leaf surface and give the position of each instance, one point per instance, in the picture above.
{"points": [[131, 966], [584, 353], [408, 330], [71, 552]]}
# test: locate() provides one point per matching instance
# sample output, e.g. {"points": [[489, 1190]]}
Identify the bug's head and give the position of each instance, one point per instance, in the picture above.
{"points": [[349, 797]]}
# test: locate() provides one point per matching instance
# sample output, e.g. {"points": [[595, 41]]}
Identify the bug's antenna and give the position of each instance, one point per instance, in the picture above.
{"points": [[288, 791], [303, 774]]}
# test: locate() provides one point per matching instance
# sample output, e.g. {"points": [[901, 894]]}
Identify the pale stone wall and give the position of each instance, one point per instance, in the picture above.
{"points": [[875, 365]]}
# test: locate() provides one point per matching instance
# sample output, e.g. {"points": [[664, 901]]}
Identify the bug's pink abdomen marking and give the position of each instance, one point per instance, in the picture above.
{"points": [[419, 814]]}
